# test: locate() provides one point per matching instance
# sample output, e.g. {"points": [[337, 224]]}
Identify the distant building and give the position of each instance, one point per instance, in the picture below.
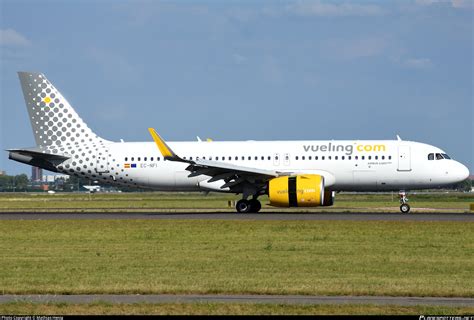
{"points": [[36, 174], [2, 173]]}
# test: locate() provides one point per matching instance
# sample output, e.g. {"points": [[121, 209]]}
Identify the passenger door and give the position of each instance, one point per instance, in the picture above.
{"points": [[404, 159]]}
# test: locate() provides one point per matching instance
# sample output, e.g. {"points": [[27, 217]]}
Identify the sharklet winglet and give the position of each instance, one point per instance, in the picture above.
{"points": [[165, 150]]}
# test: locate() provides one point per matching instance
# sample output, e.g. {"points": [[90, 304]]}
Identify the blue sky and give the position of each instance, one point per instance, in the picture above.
{"points": [[237, 70]]}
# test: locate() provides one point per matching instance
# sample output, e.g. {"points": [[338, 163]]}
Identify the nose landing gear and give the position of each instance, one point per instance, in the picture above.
{"points": [[404, 207]]}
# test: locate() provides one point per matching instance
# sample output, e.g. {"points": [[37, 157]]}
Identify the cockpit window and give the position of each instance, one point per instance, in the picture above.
{"points": [[439, 156], [431, 156], [446, 156]]}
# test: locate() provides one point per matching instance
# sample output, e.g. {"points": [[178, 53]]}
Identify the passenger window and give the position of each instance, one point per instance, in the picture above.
{"points": [[370, 157], [236, 158], [383, 157], [356, 157], [262, 158], [269, 158], [363, 157], [335, 158], [138, 159], [315, 157], [329, 157], [145, 159], [158, 158], [309, 158], [389, 157], [439, 156], [296, 158], [132, 158], [256, 158], [342, 158], [230, 158], [243, 158], [302, 158], [126, 159], [190, 158], [376, 157], [151, 159], [431, 156], [322, 158], [249, 158]]}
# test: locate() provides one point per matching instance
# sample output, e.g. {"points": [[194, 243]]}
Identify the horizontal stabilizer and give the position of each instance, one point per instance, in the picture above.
{"points": [[36, 158], [40, 155]]}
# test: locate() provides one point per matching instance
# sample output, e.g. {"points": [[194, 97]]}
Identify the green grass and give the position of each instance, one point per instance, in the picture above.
{"points": [[214, 256], [156, 201], [223, 309]]}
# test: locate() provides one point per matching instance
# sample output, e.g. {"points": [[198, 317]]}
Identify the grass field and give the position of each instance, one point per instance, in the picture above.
{"points": [[261, 257], [155, 201], [223, 309]]}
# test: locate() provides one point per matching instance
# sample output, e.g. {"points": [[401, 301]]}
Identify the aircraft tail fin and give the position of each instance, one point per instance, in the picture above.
{"points": [[54, 121]]}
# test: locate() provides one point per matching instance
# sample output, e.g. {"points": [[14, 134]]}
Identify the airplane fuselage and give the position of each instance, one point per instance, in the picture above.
{"points": [[364, 165]]}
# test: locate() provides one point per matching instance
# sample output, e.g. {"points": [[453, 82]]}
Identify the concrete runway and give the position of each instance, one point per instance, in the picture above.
{"points": [[338, 216], [280, 299]]}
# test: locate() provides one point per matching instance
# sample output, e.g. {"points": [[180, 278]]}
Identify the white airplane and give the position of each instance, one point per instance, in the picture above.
{"points": [[291, 173], [92, 189]]}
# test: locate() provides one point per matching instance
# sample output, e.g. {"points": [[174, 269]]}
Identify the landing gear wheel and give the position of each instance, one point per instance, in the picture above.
{"points": [[405, 208], [255, 205], [243, 206]]}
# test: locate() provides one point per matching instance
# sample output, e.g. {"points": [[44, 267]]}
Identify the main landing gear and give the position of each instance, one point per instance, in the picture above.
{"points": [[248, 206], [404, 207]]}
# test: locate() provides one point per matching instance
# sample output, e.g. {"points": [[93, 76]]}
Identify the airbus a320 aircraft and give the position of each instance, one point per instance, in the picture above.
{"points": [[291, 173]]}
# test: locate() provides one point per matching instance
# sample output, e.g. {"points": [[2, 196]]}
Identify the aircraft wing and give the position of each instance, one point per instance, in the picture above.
{"points": [[233, 175]]}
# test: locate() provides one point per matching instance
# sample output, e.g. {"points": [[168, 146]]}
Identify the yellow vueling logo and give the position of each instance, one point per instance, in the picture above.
{"points": [[370, 147]]}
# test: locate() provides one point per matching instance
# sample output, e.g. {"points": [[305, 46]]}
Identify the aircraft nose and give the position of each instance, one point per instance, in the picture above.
{"points": [[462, 172]]}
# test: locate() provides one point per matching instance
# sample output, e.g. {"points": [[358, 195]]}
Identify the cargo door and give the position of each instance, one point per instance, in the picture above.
{"points": [[364, 180]]}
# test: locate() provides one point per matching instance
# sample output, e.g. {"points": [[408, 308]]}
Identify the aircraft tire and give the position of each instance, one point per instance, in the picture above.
{"points": [[255, 205], [405, 208], [243, 206]]}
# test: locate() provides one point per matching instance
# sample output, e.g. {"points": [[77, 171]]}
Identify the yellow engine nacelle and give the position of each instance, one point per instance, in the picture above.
{"points": [[298, 191]]}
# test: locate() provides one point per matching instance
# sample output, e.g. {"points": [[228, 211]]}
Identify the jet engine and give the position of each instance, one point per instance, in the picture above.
{"points": [[299, 191]]}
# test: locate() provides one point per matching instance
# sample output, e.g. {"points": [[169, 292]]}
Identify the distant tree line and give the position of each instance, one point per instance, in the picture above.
{"points": [[465, 185], [14, 183]]}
